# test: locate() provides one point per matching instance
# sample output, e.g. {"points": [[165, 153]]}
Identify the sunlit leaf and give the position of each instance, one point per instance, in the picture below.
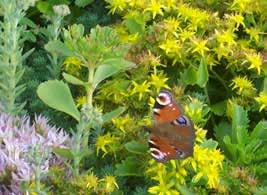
{"points": [[57, 95]]}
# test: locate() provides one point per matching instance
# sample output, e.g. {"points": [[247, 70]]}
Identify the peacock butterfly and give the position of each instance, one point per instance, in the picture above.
{"points": [[172, 135]]}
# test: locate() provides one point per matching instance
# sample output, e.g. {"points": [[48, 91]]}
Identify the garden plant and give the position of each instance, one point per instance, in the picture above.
{"points": [[78, 87]]}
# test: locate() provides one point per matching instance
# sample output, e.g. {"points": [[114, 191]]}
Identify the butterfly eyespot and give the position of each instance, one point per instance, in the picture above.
{"points": [[164, 98], [180, 153], [182, 120]]}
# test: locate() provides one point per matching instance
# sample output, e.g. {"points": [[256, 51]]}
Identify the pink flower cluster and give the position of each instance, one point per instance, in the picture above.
{"points": [[18, 136]]}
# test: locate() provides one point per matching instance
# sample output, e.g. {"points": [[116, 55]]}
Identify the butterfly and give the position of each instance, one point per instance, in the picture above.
{"points": [[172, 135]]}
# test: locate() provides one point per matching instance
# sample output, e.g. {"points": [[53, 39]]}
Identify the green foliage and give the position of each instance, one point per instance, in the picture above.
{"points": [[61, 98], [243, 147], [11, 57]]}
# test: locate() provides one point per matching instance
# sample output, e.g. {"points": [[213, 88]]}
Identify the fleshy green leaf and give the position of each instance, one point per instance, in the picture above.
{"points": [[57, 95], [222, 130], [211, 144], [59, 48], [219, 108], [73, 80], [110, 67], [260, 131], [115, 113], [239, 125], [128, 167], [136, 147], [202, 74], [135, 24], [63, 152], [189, 76]]}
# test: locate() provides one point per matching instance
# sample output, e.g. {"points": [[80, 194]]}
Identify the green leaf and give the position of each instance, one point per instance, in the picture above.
{"points": [[222, 130], [59, 48], [219, 108], [129, 167], [260, 131], [231, 148], [110, 67], [115, 113], [73, 80], [210, 144], [63, 152], [83, 3], [57, 95], [135, 24], [202, 74], [136, 147], [189, 76], [44, 7], [239, 125]]}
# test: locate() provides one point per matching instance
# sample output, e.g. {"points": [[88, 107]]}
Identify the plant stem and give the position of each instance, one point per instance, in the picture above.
{"points": [[90, 89], [219, 79]]}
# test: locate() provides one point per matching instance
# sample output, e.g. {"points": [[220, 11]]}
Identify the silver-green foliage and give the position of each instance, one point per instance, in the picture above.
{"points": [[11, 55]]}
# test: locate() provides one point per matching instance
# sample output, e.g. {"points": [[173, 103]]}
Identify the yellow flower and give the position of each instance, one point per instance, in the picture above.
{"points": [[115, 5], [151, 102], [169, 4], [225, 38], [155, 7], [159, 81], [200, 134], [200, 46], [110, 183], [104, 143], [254, 34], [240, 5], [255, 61], [80, 101], [92, 181], [236, 20], [244, 86], [123, 123], [209, 164], [171, 46], [262, 99], [171, 25], [186, 35], [140, 89], [72, 65]]}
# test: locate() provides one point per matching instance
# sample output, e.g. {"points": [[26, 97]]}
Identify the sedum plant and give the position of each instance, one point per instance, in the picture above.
{"points": [[26, 152], [246, 149], [11, 56], [52, 33], [101, 55]]}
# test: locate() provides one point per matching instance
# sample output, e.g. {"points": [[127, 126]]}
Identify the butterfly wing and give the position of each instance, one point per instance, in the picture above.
{"points": [[170, 141], [173, 135]]}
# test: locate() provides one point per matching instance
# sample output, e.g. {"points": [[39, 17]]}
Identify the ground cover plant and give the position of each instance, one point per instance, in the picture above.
{"points": [[94, 69]]}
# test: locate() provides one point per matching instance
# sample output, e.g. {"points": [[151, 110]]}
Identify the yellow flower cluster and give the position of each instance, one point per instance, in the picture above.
{"points": [[157, 81], [243, 85]]}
